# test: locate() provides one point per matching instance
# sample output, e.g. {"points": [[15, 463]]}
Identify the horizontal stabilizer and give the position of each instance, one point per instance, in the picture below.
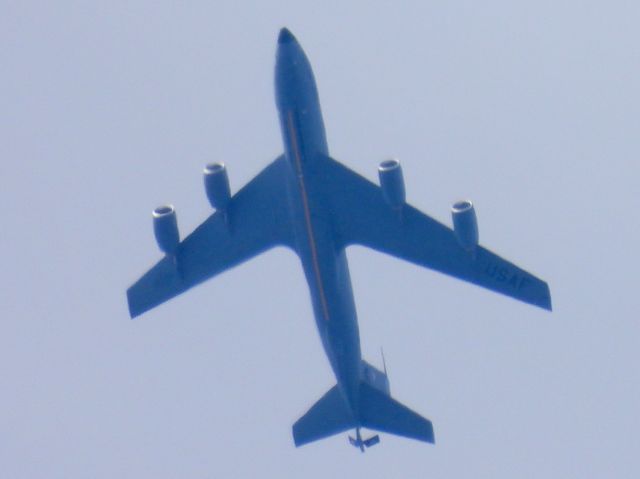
{"points": [[382, 413], [377, 410], [329, 416]]}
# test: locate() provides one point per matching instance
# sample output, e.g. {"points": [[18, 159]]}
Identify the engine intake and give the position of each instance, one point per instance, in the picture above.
{"points": [[165, 228], [392, 182], [216, 184], [465, 224]]}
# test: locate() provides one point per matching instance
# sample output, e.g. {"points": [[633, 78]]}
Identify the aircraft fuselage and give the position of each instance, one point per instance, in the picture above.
{"points": [[323, 257]]}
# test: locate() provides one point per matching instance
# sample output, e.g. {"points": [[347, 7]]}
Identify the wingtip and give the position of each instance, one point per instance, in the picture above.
{"points": [[133, 311], [547, 299], [544, 303], [432, 438], [541, 298]]}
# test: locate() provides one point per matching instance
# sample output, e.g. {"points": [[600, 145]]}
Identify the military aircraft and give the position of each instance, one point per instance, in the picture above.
{"points": [[310, 203]]}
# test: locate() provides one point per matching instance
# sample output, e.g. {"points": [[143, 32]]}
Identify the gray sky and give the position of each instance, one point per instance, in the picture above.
{"points": [[530, 109]]}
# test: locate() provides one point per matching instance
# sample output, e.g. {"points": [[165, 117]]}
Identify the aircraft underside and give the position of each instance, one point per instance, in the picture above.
{"points": [[314, 205]]}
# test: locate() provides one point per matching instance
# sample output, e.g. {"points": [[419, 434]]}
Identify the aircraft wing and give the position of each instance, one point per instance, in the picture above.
{"points": [[366, 219], [255, 220]]}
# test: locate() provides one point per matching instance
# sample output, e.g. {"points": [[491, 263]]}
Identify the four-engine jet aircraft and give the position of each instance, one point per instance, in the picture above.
{"points": [[312, 204]]}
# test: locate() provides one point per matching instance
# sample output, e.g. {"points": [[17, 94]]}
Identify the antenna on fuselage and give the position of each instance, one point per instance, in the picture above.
{"points": [[384, 363]]}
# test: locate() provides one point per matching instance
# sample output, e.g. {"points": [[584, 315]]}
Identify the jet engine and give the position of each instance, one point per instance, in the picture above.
{"points": [[165, 228], [465, 224], [216, 184], [392, 182]]}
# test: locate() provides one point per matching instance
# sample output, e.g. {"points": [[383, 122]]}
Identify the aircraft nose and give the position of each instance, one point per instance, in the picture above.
{"points": [[285, 36]]}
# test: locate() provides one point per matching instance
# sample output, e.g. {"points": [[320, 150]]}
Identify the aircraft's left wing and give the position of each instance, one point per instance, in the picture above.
{"points": [[365, 218], [255, 221]]}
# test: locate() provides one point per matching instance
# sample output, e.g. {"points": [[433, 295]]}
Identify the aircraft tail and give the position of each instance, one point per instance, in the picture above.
{"points": [[376, 410]]}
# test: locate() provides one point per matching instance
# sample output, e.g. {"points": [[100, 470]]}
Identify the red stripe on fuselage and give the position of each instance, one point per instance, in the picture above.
{"points": [[307, 214]]}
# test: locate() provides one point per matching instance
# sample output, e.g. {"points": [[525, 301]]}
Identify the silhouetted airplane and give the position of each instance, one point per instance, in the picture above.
{"points": [[312, 204]]}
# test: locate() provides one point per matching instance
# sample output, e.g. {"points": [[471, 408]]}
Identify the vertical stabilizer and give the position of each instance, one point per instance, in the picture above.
{"points": [[374, 377]]}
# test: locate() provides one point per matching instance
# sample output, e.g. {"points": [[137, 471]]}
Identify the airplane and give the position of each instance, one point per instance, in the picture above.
{"points": [[312, 204]]}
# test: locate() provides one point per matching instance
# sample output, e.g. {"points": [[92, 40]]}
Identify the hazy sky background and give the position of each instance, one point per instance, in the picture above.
{"points": [[108, 109]]}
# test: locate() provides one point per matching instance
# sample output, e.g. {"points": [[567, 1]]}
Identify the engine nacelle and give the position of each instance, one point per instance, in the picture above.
{"points": [[216, 184], [392, 182], [465, 224], [165, 228]]}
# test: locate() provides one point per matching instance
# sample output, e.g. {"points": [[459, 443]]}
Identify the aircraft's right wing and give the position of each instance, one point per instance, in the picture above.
{"points": [[365, 218], [255, 221]]}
